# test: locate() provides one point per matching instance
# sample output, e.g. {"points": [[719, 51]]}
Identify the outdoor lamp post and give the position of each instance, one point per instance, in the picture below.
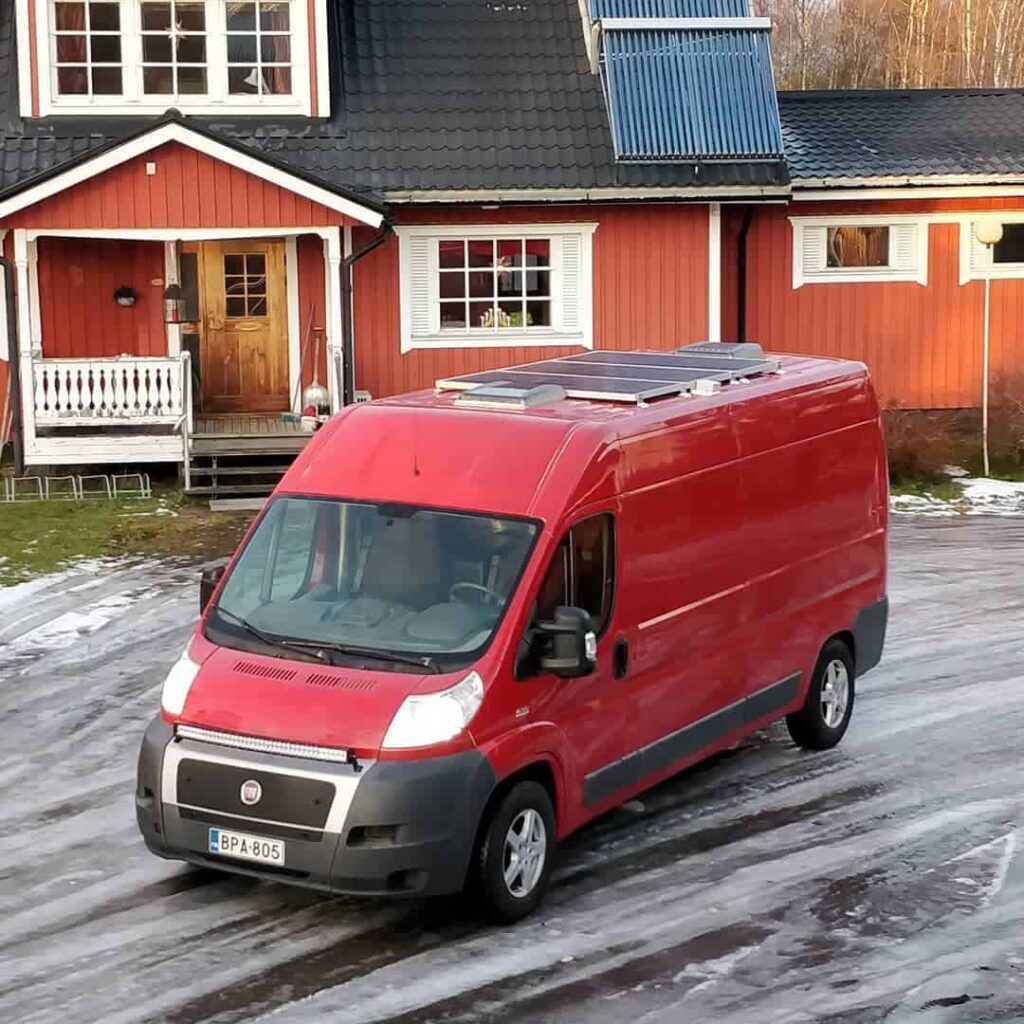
{"points": [[989, 232]]}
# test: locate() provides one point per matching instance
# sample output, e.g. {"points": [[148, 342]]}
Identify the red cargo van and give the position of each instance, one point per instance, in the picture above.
{"points": [[472, 619]]}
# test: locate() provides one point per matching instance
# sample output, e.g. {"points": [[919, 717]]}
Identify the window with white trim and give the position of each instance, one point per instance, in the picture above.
{"points": [[144, 56], [1003, 261], [852, 250], [478, 287]]}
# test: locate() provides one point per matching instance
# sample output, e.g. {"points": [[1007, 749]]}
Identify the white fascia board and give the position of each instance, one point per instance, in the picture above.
{"points": [[721, 193], [184, 136], [852, 189], [495, 230], [686, 24]]}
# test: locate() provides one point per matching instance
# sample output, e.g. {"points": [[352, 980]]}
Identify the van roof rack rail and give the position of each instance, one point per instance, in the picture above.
{"points": [[633, 378]]}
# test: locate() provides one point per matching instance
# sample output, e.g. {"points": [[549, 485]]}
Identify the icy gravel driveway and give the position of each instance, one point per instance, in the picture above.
{"points": [[881, 881]]}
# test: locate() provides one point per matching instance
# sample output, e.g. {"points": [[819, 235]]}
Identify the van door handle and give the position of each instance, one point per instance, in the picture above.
{"points": [[620, 657]]}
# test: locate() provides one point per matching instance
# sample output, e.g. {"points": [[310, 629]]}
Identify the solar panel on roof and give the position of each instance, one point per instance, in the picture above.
{"points": [[630, 377]]}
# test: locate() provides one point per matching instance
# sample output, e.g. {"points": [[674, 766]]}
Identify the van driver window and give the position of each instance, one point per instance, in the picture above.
{"points": [[582, 573]]}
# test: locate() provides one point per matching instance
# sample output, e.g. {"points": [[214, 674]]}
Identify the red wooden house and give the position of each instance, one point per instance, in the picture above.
{"points": [[380, 193]]}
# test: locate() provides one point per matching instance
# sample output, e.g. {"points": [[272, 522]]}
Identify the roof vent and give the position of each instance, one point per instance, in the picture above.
{"points": [[505, 395], [730, 350]]}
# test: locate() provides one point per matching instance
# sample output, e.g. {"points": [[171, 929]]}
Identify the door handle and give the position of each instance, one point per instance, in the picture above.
{"points": [[620, 657]]}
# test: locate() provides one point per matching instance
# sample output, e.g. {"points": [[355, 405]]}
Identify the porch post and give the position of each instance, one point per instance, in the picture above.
{"points": [[171, 277], [30, 344], [332, 287]]}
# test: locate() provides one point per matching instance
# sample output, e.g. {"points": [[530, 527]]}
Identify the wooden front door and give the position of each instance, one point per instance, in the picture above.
{"points": [[244, 329]]}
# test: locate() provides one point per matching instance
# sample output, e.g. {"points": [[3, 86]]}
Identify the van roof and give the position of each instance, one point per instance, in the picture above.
{"points": [[429, 448]]}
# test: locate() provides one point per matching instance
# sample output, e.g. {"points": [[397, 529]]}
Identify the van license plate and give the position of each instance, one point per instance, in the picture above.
{"points": [[246, 847]]}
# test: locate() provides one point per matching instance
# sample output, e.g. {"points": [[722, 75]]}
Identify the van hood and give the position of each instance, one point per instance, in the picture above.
{"points": [[297, 701]]}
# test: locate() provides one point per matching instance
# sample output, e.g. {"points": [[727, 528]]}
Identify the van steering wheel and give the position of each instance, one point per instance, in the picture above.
{"points": [[484, 595]]}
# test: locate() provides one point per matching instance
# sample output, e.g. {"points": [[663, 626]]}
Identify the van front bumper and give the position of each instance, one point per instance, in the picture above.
{"points": [[391, 828]]}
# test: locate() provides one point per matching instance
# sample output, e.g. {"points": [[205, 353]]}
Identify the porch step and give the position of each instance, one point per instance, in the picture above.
{"points": [[277, 470], [221, 444], [230, 490], [236, 473]]}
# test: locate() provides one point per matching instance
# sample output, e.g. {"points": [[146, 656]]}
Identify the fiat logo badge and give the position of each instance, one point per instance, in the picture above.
{"points": [[250, 793]]}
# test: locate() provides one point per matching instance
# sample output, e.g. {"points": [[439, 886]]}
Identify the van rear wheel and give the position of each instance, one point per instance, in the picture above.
{"points": [[823, 720], [513, 865]]}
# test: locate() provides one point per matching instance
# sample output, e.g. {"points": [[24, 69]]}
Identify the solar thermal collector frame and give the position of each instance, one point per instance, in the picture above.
{"points": [[629, 377]]}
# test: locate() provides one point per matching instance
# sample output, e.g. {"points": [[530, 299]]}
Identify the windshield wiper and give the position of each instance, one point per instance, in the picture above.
{"points": [[311, 649], [373, 652], [318, 650]]}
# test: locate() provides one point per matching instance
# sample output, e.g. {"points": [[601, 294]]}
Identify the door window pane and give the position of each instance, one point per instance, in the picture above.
{"points": [[245, 284], [582, 573]]}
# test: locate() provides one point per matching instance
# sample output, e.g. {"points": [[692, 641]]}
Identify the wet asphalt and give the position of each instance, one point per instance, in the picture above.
{"points": [[882, 881]]}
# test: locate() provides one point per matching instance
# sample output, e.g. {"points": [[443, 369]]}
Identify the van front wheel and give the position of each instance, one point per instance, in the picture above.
{"points": [[514, 861], [823, 720]]}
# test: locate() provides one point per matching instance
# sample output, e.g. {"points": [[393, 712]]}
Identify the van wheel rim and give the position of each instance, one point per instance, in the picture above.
{"points": [[526, 845], [835, 693]]}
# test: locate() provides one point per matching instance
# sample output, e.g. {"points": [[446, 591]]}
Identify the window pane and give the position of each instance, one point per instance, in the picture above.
{"points": [[277, 81], [858, 247], [106, 49], [451, 254], [234, 264], [452, 285], [510, 252], [242, 49], [538, 282], [157, 81], [235, 306], [190, 17], [192, 50], [192, 81], [510, 283], [481, 284], [510, 314], [69, 17], [234, 285], [274, 17], [481, 314], [72, 81], [156, 49], [1011, 248], [106, 81], [275, 49], [481, 254], [104, 17], [593, 567], [70, 49], [255, 264], [257, 306], [453, 315], [156, 17], [242, 81], [538, 314], [554, 591], [241, 17], [538, 252]]}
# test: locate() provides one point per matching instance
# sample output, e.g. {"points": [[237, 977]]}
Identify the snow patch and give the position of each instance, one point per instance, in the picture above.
{"points": [[67, 629], [980, 496]]}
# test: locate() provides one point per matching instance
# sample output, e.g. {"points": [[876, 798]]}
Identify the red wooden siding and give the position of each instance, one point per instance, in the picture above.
{"points": [[189, 190], [922, 344], [650, 290], [78, 316], [8, 250]]}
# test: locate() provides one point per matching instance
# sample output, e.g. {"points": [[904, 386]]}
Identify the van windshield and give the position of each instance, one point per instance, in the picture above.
{"points": [[395, 580]]}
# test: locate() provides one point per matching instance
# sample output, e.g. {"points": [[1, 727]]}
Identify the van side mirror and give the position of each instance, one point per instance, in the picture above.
{"points": [[570, 644], [212, 575]]}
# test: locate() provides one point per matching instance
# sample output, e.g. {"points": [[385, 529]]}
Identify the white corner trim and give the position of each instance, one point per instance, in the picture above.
{"points": [[21, 10], [323, 60], [917, 274], [5, 352], [715, 272], [184, 136], [291, 278], [173, 331]]}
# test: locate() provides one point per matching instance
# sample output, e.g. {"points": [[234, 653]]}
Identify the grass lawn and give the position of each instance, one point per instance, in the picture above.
{"points": [[41, 536], [944, 489]]}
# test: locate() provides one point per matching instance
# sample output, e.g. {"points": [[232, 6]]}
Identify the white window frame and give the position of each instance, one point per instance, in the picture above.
{"points": [[976, 260], [915, 271], [418, 256], [217, 99]]}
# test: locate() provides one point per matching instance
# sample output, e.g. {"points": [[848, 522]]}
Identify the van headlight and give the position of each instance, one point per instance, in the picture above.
{"points": [[177, 684], [429, 718]]}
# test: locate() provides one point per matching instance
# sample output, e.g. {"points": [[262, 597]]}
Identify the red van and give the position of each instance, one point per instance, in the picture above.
{"points": [[472, 619]]}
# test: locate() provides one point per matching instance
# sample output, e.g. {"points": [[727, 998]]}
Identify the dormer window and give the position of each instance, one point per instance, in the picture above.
{"points": [[202, 56]]}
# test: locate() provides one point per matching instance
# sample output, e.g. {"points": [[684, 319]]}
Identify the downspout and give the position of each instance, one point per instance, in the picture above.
{"points": [[741, 275], [14, 366], [347, 319]]}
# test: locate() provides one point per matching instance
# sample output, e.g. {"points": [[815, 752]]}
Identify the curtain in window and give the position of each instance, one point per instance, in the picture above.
{"points": [[72, 49], [279, 80]]}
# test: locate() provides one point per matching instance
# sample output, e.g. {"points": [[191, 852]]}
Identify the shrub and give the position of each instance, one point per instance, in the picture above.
{"points": [[920, 444], [1006, 420]]}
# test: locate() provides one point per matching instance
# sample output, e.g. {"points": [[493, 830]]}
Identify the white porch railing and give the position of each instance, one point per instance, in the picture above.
{"points": [[130, 390]]}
